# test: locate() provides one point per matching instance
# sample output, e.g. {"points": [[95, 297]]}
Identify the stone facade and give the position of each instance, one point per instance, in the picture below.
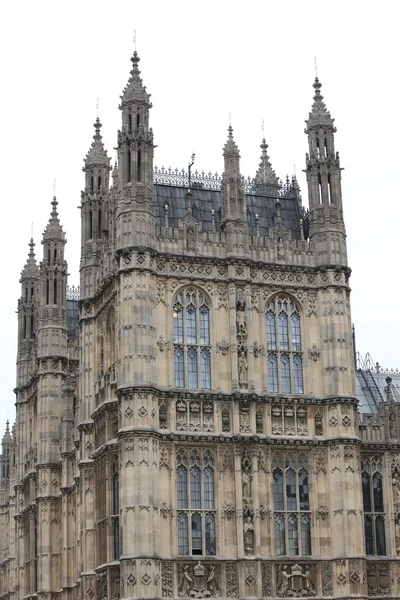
{"points": [[199, 437]]}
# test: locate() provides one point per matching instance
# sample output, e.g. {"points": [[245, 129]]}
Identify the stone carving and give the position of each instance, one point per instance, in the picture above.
{"points": [[228, 511], [242, 366], [241, 324], [322, 513], [163, 414], [226, 419], [231, 580], [223, 347], [258, 350], [396, 484], [163, 344], [248, 530], [167, 590], [244, 417], [314, 353], [102, 582], [199, 581], [295, 580], [246, 477], [260, 420], [266, 579], [318, 423], [378, 579], [326, 576]]}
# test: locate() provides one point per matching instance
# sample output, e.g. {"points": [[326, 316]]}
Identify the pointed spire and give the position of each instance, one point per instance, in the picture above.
{"points": [[319, 115], [134, 90], [266, 174], [231, 155], [7, 437], [115, 175], [54, 230], [97, 155], [230, 147], [30, 269]]}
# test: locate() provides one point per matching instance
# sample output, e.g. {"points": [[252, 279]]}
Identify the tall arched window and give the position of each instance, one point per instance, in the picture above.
{"points": [[292, 517], [195, 489], [192, 361], [374, 512], [115, 509], [285, 360]]}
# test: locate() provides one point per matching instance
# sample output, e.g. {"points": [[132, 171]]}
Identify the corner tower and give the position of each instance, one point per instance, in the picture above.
{"points": [[323, 172], [135, 141], [27, 319]]}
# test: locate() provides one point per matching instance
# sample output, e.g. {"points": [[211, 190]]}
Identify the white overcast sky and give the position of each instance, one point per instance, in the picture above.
{"points": [[202, 61]]}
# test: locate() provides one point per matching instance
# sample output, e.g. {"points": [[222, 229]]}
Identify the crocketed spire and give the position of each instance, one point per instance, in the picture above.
{"points": [[97, 155], [230, 146], [231, 155], [134, 90], [7, 437], [30, 269], [54, 230], [319, 115], [266, 174]]}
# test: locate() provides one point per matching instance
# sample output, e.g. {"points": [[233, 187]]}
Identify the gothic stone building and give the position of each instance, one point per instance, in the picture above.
{"points": [[188, 427]]}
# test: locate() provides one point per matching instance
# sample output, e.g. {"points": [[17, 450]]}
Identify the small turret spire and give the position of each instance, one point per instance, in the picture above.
{"points": [[54, 230], [97, 155], [30, 269], [231, 154], [266, 174], [319, 115], [134, 90]]}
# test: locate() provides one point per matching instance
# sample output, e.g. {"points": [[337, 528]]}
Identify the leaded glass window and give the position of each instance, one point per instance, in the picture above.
{"points": [[285, 363], [374, 512], [292, 516], [195, 489], [115, 510], [192, 358]]}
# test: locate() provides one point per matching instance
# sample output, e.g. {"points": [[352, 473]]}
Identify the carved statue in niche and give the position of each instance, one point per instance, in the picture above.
{"points": [[392, 425], [190, 239], [248, 529], [102, 579], [241, 317], [396, 485], [246, 486], [397, 533], [242, 362]]}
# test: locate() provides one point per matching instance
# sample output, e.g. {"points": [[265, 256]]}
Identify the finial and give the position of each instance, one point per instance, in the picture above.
{"points": [[230, 119], [97, 107], [278, 212], [54, 188], [315, 65], [32, 231], [262, 129], [134, 40]]}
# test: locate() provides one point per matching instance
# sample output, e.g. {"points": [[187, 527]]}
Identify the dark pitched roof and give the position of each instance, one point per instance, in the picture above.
{"points": [[205, 200]]}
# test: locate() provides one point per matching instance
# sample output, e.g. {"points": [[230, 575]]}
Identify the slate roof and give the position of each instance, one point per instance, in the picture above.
{"points": [[204, 200]]}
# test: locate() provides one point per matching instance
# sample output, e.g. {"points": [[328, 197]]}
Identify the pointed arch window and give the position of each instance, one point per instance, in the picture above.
{"points": [[195, 490], [285, 359], [115, 510], [192, 358], [374, 512], [292, 516]]}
